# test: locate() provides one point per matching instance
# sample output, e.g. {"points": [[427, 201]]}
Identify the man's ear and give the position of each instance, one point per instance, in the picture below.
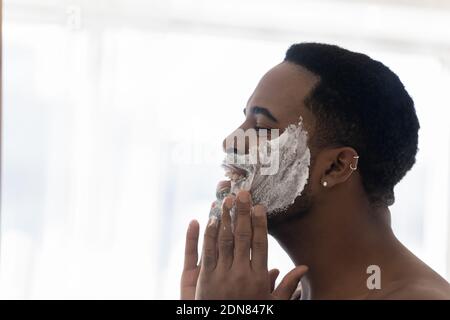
{"points": [[339, 165]]}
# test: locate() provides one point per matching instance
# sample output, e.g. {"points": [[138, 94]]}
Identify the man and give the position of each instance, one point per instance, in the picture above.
{"points": [[362, 135]]}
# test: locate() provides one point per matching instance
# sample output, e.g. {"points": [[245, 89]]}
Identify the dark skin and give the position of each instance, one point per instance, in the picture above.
{"points": [[334, 230]]}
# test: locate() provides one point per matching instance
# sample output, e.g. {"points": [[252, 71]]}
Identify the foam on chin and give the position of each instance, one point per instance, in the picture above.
{"points": [[278, 191]]}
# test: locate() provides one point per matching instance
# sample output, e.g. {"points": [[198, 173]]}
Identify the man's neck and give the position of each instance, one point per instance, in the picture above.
{"points": [[338, 244]]}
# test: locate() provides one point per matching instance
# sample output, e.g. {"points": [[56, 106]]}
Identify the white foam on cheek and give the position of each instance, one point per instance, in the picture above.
{"points": [[278, 191]]}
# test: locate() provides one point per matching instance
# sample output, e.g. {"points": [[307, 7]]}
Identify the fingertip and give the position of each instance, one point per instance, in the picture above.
{"points": [[193, 229], [244, 196], [259, 210], [213, 222], [299, 271], [274, 271], [228, 202], [193, 224], [303, 268]]}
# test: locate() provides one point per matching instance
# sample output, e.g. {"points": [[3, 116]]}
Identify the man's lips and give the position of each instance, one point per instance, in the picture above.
{"points": [[234, 173], [223, 185]]}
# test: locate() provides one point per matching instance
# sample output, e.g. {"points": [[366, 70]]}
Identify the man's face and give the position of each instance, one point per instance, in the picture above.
{"points": [[277, 102]]}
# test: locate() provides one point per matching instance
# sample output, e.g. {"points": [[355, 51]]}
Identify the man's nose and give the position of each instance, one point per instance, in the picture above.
{"points": [[230, 143]]}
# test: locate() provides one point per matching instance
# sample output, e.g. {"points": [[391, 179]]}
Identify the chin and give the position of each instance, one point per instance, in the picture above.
{"points": [[297, 211]]}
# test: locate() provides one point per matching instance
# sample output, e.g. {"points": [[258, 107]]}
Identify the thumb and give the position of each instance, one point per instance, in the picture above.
{"points": [[287, 287], [273, 275]]}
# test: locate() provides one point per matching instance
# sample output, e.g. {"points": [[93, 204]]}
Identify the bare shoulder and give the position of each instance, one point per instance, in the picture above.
{"points": [[414, 280], [420, 289]]}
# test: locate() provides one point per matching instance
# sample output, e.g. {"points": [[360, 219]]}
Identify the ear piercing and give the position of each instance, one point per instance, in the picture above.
{"points": [[353, 168]]}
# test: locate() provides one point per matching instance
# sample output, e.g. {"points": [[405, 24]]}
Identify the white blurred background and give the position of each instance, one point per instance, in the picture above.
{"points": [[113, 117]]}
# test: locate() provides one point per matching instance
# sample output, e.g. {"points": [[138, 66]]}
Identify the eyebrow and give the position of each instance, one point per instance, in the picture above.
{"points": [[263, 111]]}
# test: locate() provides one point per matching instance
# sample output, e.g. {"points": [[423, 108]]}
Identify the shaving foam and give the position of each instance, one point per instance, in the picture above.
{"points": [[290, 155]]}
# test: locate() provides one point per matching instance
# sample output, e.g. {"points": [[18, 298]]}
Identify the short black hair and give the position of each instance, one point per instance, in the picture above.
{"points": [[361, 103]]}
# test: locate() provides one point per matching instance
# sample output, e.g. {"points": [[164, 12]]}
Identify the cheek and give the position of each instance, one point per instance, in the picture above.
{"points": [[313, 180]]}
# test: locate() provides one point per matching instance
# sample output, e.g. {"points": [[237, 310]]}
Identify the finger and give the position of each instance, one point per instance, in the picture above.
{"points": [[226, 238], [243, 230], [273, 275], [259, 239], [189, 284], [190, 270], [289, 283], [297, 293], [191, 247], [209, 253]]}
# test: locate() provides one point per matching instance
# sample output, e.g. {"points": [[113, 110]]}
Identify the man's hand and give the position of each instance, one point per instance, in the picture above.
{"points": [[191, 269], [234, 264]]}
